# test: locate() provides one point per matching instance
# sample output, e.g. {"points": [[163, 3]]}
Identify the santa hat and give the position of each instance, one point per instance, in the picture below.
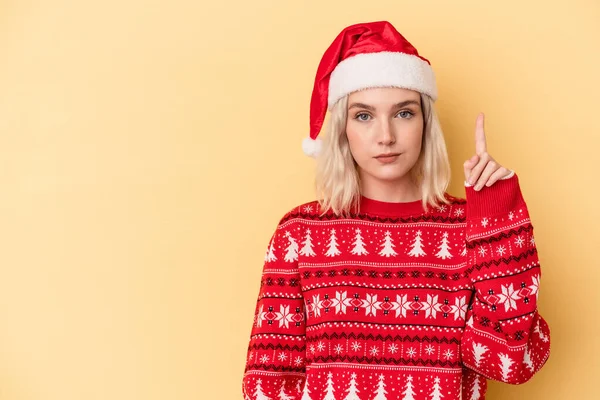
{"points": [[362, 56]]}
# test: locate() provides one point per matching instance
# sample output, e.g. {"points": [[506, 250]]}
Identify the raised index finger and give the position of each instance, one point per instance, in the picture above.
{"points": [[480, 143]]}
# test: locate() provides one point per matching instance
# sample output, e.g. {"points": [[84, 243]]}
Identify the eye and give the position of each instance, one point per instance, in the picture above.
{"points": [[405, 112], [360, 115]]}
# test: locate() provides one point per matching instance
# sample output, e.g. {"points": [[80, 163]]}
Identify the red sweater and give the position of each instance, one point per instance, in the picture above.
{"points": [[398, 303]]}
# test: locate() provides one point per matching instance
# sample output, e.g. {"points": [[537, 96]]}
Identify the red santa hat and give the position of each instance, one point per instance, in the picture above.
{"points": [[362, 56]]}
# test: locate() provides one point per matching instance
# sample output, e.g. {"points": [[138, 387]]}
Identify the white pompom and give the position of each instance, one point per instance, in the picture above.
{"points": [[311, 147]]}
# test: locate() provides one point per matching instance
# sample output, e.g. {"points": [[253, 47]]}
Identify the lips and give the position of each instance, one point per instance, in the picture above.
{"points": [[388, 155], [387, 158]]}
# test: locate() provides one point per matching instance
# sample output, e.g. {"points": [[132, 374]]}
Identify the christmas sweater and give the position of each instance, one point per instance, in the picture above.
{"points": [[393, 302]]}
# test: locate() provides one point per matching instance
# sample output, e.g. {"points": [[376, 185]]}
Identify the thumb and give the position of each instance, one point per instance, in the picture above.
{"points": [[469, 165]]}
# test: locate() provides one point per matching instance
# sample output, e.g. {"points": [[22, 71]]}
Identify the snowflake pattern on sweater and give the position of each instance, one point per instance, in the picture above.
{"points": [[397, 303]]}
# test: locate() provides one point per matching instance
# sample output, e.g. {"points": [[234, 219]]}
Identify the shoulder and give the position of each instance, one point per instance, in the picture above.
{"points": [[307, 212], [308, 209]]}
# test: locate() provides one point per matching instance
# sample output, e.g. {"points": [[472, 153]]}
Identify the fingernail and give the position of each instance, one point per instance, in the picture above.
{"points": [[477, 187]]}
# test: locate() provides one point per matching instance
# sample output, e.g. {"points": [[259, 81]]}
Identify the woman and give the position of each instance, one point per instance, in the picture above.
{"points": [[387, 287]]}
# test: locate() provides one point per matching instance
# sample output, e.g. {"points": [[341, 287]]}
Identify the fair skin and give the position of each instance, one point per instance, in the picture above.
{"points": [[482, 169], [384, 128], [385, 121]]}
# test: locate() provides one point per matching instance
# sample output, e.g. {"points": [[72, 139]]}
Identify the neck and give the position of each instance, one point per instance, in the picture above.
{"points": [[402, 190]]}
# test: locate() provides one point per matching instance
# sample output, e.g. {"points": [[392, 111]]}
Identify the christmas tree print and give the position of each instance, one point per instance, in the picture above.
{"points": [[306, 391], [282, 394], [329, 389], [476, 394], [470, 321], [464, 251], [387, 246], [444, 248], [359, 245], [332, 249], [537, 330], [258, 393], [417, 246], [352, 389], [270, 256], [307, 246], [292, 249], [478, 351], [436, 394], [505, 365], [527, 359], [380, 392], [409, 393]]}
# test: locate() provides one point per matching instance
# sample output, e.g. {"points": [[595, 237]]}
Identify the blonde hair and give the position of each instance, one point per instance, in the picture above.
{"points": [[337, 181]]}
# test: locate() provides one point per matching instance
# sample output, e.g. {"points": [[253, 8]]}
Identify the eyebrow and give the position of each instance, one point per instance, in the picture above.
{"points": [[371, 108]]}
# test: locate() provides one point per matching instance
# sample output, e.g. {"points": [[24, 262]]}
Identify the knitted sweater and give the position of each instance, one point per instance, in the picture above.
{"points": [[397, 303]]}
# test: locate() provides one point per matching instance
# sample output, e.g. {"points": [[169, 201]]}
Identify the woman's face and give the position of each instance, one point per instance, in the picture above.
{"points": [[384, 129]]}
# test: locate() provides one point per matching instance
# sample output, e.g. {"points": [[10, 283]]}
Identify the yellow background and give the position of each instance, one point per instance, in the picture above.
{"points": [[148, 149]]}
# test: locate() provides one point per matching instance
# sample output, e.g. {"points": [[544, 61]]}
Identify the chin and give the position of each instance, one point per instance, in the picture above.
{"points": [[389, 175]]}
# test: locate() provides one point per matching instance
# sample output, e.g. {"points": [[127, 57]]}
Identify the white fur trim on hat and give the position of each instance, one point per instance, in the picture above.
{"points": [[382, 69], [311, 147]]}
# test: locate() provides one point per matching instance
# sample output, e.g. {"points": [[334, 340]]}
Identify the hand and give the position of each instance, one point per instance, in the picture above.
{"points": [[482, 169]]}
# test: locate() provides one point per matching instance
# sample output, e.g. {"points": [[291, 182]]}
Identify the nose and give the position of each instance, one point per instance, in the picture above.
{"points": [[387, 135]]}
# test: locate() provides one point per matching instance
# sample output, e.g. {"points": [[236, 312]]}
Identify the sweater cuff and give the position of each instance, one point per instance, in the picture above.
{"points": [[503, 196]]}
